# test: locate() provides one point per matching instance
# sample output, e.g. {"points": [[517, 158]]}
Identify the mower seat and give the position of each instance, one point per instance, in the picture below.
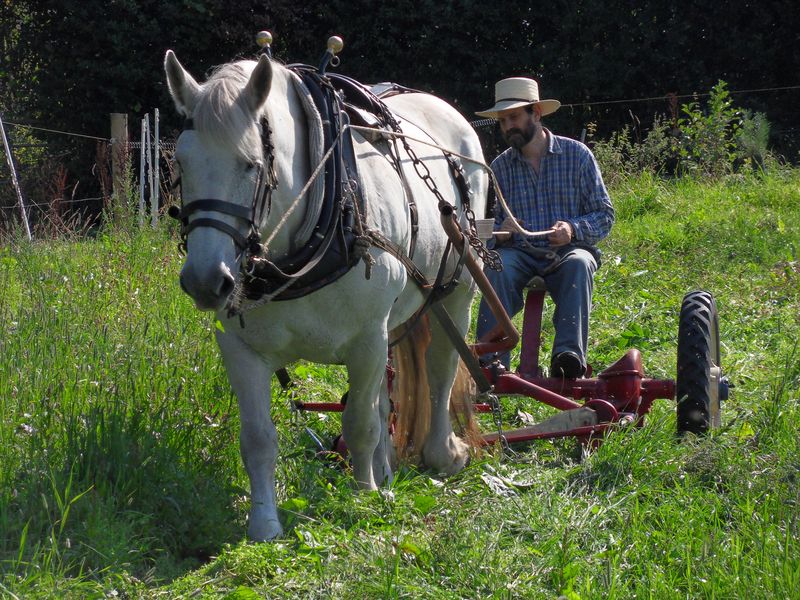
{"points": [[536, 284]]}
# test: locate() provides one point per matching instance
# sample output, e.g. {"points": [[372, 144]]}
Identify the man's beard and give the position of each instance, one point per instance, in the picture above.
{"points": [[519, 138]]}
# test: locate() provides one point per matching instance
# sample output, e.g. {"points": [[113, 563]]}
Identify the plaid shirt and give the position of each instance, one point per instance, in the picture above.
{"points": [[568, 187]]}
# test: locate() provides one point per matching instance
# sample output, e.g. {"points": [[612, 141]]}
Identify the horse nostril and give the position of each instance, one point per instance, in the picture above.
{"points": [[226, 285]]}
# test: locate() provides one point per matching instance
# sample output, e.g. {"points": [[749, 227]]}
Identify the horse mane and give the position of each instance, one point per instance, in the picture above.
{"points": [[221, 112]]}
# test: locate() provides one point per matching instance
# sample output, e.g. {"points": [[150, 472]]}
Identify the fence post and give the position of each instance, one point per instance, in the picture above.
{"points": [[156, 180], [119, 156], [14, 180], [144, 161]]}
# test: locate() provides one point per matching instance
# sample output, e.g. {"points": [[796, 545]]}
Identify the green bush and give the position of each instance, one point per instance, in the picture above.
{"points": [[709, 141]]}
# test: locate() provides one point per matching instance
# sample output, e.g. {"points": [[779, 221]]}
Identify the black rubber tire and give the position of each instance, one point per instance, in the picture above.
{"points": [[699, 369]]}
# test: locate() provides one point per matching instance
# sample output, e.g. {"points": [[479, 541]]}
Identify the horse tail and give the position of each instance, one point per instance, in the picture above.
{"points": [[410, 391], [411, 394], [462, 416]]}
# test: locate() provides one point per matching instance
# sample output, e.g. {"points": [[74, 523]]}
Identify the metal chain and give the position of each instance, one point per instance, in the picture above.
{"points": [[497, 416], [490, 258]]}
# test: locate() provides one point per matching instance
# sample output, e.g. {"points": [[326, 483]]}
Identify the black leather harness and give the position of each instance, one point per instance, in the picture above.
{"points": [[339, 239], [329, 252]]}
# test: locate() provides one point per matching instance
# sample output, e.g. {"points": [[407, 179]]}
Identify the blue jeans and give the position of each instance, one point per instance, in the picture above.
{"points": [[570, 286]]}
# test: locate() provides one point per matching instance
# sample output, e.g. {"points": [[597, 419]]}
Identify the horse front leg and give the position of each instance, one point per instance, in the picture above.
{"points": [[362, 425], [250, 376]]}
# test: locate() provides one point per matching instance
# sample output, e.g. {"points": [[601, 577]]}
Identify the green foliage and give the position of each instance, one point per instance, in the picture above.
{"points": [[120, 474], [625, 155], [709, 141], [752, 139]]}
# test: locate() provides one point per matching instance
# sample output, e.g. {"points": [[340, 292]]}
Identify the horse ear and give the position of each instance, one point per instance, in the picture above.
{"points": [[182, 86], [257, 88]]}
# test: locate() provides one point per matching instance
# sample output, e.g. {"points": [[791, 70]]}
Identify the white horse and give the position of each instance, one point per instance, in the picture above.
{"points": [[349, 321]]}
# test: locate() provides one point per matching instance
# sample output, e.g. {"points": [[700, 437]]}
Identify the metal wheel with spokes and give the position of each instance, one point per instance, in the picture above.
{"points": [[700, 384]]}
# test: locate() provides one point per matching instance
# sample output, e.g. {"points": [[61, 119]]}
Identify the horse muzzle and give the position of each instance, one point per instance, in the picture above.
{"points": [[209, 288]]}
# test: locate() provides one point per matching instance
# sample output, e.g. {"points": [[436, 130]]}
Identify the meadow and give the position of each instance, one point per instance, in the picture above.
{"points": [[120, 474]]}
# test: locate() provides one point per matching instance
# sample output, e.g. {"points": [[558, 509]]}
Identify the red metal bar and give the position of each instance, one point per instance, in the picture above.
{"points": [[320, 406], [531, 333], [522, 435], [658, 388], [509, 383]]}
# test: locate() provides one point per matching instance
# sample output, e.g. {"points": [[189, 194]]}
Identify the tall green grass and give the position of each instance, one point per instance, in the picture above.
{"points": [[120, 474], [111, 391]]}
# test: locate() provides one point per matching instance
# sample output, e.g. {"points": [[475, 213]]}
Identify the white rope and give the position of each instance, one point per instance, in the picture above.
{"points": [[383, 132]]}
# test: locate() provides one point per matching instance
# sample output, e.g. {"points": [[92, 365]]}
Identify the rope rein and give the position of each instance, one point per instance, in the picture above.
{"points": [[366, 237]]}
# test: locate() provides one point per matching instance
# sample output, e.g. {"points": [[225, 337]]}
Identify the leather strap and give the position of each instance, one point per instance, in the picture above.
{"points": [[238, 238]]}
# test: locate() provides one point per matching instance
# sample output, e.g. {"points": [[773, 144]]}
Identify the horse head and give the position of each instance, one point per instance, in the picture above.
{"points": [[219, 158]]}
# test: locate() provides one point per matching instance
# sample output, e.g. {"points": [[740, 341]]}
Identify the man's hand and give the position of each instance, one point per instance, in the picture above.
{"points": [[560, 234]]}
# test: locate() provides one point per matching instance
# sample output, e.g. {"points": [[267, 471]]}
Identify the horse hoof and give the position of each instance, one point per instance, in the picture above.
{"points": [[449, 461], [264, 531]]}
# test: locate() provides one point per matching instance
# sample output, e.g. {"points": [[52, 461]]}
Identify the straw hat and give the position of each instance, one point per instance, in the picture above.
{"points": [[515, 92]]}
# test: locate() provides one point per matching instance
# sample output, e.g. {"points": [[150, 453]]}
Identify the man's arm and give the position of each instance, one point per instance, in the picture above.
{"points": [[595, 223]]}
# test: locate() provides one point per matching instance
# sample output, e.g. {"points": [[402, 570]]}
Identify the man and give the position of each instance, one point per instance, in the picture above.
{"points": [[551, 184]]}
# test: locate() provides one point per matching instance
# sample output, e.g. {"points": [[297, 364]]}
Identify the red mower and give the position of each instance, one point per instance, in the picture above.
{"points": [[621, 394], [618, 396]]}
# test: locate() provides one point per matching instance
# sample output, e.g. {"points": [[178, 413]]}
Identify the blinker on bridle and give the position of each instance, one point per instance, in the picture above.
{"points": [[253, 215]]}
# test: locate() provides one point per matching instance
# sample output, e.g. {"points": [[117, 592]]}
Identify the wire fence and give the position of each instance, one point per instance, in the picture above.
{"points": [[145, 156], [152, 162]]}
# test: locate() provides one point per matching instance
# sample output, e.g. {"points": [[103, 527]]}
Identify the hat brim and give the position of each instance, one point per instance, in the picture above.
{"points": [[548, 107]]}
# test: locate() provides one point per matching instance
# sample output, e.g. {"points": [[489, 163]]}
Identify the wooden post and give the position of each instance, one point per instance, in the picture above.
{"points": [[144, 161], [119, 156]]}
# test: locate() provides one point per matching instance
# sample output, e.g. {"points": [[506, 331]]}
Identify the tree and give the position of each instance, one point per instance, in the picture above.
{"points": [[66, 65]]}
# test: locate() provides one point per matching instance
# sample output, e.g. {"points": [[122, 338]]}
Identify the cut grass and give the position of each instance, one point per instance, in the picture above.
{"points": [[119, 466]]}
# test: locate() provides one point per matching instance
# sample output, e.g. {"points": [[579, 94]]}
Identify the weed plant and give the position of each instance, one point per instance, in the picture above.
{"points": [[120, 474], [706, 141]]}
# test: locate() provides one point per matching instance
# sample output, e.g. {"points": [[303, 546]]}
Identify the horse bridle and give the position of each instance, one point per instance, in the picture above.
{"points": [[253, 215]]}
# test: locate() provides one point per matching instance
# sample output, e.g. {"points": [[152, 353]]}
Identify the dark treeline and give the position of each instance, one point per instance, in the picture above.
{"points": [[66, 65]]}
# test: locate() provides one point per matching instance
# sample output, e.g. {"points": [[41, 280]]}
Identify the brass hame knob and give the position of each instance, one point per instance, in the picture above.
{"points": [[335, 44], [264, 39]]}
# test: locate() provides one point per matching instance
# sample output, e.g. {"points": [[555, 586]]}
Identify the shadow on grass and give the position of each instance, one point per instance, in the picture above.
{"points": [[122, 493]]}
